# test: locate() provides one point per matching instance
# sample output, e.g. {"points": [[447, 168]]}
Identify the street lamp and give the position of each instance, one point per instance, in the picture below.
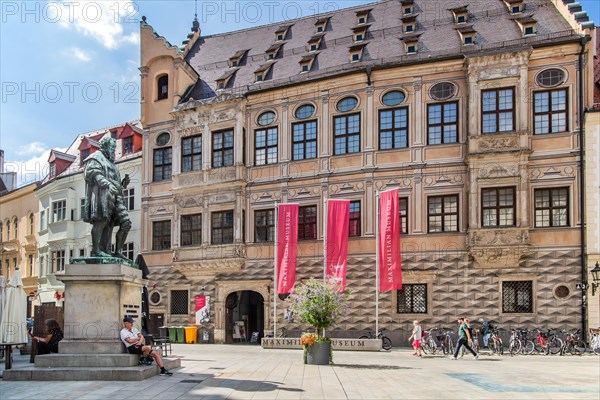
{"points": [[595, 278]]}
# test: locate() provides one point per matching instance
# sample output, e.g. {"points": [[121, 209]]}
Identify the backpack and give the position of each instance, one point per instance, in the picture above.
{"points": [[470, 332]]}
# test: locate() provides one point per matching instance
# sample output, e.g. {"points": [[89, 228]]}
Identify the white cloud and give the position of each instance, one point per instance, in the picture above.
{"points": [[32, 169], [101, 20], [79, 54], [32, 149]]}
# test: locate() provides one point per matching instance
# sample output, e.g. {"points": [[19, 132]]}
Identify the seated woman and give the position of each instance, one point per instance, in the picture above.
{"points": [[49, 343]]}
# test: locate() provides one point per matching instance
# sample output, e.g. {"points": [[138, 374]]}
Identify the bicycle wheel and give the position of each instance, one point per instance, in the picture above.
{"points": [[528, 348], [386, 343], [568, 348], [499, 346], [364, 337], [581, 347], [514, 347], [555, 345], [433, 346], [425, 348]]}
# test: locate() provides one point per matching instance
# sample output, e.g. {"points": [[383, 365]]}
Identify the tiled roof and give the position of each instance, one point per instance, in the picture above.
{"points": [[490, 18]]}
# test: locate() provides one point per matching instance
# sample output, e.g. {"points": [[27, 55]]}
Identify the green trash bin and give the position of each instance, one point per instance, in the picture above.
{"points": [[172, 334], [180, 334]]}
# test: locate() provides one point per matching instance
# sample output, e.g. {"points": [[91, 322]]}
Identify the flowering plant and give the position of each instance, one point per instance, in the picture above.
{"points": [[321, 305]]}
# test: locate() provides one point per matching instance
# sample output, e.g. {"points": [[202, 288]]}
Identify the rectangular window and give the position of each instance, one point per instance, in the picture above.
{"points": [[59, 210], [191, 153], [128, 251], [264, 225], [403, 207], [58, 260], [346, 134], [442, 213], [517, 296], [162, 164], [129, 198], [265, 146], [81, 252], [222, 145], [442, 123], [551, 207], [412, 299], [498, 110], [498, 207], [30, 265], [161, 235], [550, 111], [41, 266], [191, 230], [393, 128], [222, 227], [307, 223], [304, 138], [42, 221], [180, 302], [128, 145], [355, 56], [81, 208], [354, 225]]}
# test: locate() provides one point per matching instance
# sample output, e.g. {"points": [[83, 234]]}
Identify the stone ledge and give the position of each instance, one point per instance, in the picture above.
{"points": [[338, 344], [86, 360], [137, 373]]}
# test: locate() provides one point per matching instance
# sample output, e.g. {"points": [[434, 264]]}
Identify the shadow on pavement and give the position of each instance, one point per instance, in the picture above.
{"points": [[371, 366]]}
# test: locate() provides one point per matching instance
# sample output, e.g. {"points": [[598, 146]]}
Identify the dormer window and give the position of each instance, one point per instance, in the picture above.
{"points": [[306, 62], [236, 59], [360, 33], [514, 6], [527, 25], [261, 73], [359, 37], [409, 24], [281, 32], [271, 56], [460, 14], [52, 170], [356, 52], [315, 43], [461, 19], [411, 48], [223, 80], [467, 34], [362, 16], [162, 83], [407, 7], [273, 51], [321, 24], [314, 47]]}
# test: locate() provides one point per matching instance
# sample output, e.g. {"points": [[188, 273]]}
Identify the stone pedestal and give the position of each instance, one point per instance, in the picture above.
{"points": [[97, 297]]}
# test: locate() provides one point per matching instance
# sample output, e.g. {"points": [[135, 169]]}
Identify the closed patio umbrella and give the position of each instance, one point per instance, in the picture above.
{"points": [[2, 294], [13, 325]]}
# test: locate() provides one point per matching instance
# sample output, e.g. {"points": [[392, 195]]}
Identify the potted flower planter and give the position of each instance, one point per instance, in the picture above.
{"points": [[318, 354]]}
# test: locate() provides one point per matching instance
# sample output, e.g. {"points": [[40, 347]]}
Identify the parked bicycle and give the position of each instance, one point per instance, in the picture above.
{"points": [[514, 344], [428, 344], [445, 340], [595, 341], [495, 343], [547, 342], [386, 342], [573, 343]]}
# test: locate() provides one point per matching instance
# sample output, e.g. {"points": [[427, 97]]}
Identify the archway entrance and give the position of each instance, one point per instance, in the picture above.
{"points": [[244, 314]]}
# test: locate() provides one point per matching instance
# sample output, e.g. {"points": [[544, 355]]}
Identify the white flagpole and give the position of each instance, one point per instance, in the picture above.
{"points": [[275, 248], [377, 239]]}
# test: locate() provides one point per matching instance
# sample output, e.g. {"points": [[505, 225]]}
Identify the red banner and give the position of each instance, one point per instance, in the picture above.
{"points": [[338, 217], [390, 264], [287, 238]]}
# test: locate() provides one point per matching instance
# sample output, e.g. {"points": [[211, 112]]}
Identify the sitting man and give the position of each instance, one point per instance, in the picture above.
{"points": [[134, 341]]}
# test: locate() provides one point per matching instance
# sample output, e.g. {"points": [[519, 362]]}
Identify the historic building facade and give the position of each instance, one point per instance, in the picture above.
{"points": [[477, 125], [63, 234], [19, 236]]}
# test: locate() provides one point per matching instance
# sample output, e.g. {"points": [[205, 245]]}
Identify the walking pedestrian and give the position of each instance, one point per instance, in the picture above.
{"points": [[464, 339], [486, 328], [417, 334]]}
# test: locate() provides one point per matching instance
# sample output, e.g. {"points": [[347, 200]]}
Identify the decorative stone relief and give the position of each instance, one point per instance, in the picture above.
{"points": [[198, 271], [190, 179], [221, 198], [498, 143], [498, 73], [494, 248], [498, 171], [161, 210]]}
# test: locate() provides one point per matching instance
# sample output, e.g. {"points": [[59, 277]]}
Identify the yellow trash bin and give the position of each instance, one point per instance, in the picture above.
{"points": [[190, 334]]}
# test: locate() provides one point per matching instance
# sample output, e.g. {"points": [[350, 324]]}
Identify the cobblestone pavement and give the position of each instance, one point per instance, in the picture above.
{"points": [[249, 372]]}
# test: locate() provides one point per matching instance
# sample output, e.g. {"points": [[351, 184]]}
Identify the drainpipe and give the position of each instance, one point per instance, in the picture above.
{"points": [[581, 111]]}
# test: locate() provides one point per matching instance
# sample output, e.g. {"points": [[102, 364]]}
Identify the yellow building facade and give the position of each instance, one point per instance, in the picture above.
{"points": [[480, 136]]}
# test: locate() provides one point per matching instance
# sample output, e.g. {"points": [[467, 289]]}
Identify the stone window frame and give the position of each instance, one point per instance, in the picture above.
{"points": [[55, 211], [443, 104], [550, 111], [316, 223], [267, 130], [193, 229], [443, 195], [570, 205], [191, 156], [401, 197], [498, 207], [497, 111], [152, 240], [569, 286], [360, 215], [534, 291], [164, 166], [268, 227], [223, 150], [411, 278], [159, 94], [393, 130], [222, 211]]}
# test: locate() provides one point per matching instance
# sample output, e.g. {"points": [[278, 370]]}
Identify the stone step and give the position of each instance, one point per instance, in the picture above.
{"points": [[137, 373], [87, 360]]}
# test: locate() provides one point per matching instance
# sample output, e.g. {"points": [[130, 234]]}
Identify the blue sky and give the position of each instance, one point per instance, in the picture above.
{"points": [[71, 67]]}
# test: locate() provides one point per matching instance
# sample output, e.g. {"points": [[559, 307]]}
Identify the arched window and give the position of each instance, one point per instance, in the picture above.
{"points": [[16, 224], [7, 230], [1, 231], [163, 87]]}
